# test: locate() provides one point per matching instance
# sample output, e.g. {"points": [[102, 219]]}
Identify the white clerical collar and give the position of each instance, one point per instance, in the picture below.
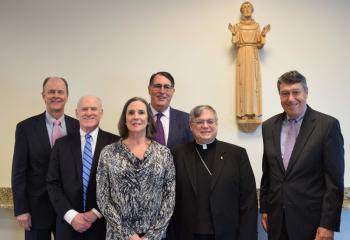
{"points": [[205, 145]]}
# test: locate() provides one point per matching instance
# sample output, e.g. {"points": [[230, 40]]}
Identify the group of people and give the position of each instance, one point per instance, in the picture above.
{"points": [[168, 176]]}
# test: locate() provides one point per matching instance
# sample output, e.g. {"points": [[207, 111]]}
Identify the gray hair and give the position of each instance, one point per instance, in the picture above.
{"points": [[197, 111], [292, 77]]}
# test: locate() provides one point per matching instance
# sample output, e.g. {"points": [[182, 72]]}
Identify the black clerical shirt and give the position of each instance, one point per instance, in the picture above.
{"points": [[204, 220]]}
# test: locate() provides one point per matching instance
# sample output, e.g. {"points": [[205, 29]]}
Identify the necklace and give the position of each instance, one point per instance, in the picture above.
{"points": [[205, 165]]}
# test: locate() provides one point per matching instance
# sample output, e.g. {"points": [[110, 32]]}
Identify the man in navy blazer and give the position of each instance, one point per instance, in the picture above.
{"points": [[302, 185], [175, 122], [31, 156], [65, 176]]}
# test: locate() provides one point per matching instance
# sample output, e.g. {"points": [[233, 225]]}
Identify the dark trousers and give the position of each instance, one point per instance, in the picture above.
{"points": [[204, 237], [42, 234], [284, 233]]}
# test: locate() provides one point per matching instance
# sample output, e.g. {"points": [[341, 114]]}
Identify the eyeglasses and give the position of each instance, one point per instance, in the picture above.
{"points": [[201, 122], [167, 87]]}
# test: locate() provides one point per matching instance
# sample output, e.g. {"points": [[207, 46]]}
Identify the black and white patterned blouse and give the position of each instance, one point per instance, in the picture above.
{"points": [[136, 196]]}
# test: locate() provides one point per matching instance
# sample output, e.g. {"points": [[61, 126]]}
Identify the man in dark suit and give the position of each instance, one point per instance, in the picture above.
{"points": [[174, 122], [31, 156], [302, 185], [78, 216], [215, 186]]}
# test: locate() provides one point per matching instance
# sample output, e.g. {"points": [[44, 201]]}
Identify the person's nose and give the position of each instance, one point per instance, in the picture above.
{"points": [[291, 97], [55, 94], [162, 89], [205, 124]]}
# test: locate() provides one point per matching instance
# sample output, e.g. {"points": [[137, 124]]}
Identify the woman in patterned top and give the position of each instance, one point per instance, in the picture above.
{"points": [[136, 178]]}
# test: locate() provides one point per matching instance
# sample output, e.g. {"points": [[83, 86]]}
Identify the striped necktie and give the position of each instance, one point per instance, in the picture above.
{"points": [[87, 163]]}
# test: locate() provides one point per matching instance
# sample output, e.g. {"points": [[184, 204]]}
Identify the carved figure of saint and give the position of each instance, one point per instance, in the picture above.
{"points": [[248, 39]]}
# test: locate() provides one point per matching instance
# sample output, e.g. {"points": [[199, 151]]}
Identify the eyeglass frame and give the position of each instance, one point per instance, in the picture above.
{"points": [[166, 87]]}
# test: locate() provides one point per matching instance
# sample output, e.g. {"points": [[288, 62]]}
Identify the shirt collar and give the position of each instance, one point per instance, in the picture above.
{"points": [[92, 133], [299, 118], [205, 146], [166, 112], [50, 119]]}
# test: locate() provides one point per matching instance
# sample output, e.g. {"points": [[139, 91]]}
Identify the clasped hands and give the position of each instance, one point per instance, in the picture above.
{"points": [[83, 221]]}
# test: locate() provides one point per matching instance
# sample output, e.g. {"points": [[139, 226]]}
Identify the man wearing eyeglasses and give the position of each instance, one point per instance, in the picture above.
{"points": [[172, 124], [302, 185], [215, 185]]}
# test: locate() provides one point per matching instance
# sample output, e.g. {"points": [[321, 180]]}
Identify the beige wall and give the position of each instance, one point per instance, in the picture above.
{"points": [[110, 48]]}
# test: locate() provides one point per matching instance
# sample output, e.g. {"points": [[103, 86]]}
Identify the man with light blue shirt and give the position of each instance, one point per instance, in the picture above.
{"points": [[302, 185], [34, 139]]}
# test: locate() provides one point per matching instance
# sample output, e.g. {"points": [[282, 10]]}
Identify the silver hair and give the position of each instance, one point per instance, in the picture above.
{"points": [[197, 111]]}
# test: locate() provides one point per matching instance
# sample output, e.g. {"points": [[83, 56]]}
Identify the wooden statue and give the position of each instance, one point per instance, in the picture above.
{"points": [[248, 39]]}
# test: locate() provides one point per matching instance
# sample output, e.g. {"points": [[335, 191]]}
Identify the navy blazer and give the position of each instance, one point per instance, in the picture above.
{"points": [[65, 185], [29, 169], [179, 128], [310, 192]]}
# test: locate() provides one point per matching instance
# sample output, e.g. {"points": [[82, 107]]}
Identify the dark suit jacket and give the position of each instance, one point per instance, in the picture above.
{"points": [[233, 200], [311, 189], [65, 185], [29, 168], [179, 128]]}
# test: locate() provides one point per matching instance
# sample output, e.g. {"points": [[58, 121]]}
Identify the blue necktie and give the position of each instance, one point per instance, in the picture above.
{"points": [[87, 163]]}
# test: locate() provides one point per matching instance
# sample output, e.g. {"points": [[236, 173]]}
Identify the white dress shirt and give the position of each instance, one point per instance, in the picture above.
{"points": [[70, 214]]}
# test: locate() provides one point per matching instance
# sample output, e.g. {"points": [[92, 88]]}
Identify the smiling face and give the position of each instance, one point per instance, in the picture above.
{"points": [[55, 96], [136, 117], [161, 91], [204, 127], [89, 113], [293, 99]]}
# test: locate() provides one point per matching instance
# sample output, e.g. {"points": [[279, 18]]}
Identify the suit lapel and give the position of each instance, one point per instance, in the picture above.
{"points": [[99, 145], [307, 127], [276, 133], [219, 163], [69, 125], [78, 159], [41, 130], [172, 127], [190, 165]]}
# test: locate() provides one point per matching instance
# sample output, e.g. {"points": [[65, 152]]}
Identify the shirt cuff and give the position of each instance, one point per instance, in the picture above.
{"points": [[70, 214], [97, 213]]}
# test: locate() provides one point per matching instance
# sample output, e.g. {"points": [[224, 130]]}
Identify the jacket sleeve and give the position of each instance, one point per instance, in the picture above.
{"points": [[333, 167], [54, 183], [19, 172], [264, 184], [248, 208]]}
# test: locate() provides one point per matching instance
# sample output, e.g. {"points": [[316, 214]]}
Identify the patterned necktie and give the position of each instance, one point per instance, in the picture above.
{"points": [[160, 137], [292, 136], [56, 131], [87, 163]]}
